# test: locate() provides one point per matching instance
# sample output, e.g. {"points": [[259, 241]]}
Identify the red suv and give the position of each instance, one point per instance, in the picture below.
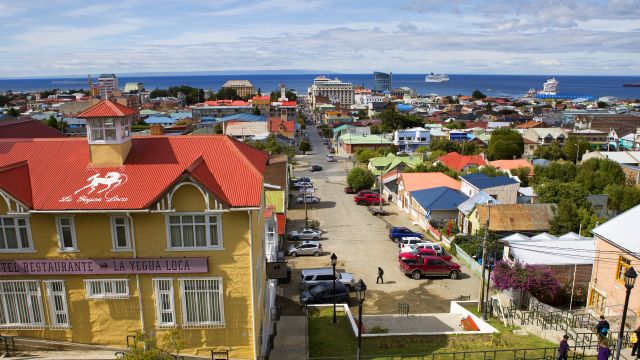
{"points": [[368, 199]]}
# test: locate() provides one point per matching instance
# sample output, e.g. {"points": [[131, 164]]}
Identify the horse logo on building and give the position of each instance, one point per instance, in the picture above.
{"points": [[110, 181]]}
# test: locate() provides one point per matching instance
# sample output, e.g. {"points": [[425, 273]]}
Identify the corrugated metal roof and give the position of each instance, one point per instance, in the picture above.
{"points": [[419, 181], [106, 108], [517, 217], [439, 198], [482, 181], [27, 128], [60, 173], [622, 230]]}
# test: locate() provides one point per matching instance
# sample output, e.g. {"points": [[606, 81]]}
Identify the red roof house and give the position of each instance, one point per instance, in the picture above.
{"points": [[458, 162], [279, 126]]}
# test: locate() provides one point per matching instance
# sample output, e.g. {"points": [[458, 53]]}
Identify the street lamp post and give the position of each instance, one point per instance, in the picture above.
{"points": [[629, 281], [334, 261], [361, 288]]}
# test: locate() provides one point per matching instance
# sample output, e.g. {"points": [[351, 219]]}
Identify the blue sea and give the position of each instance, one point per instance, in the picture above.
{"points": [[491, 85]]}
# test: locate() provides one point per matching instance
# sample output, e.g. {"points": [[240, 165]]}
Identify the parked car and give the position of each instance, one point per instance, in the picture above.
{"points": [[303, 184], [368, 199], [323, 293], [309, 247], [408, 241], [349, 190], [305, 234], [364, 192], [396, 233], [307, 190], [428, 245], [330, 158], [417, 252], [308, 198], [312, 277], [314, 168], [429, 266], [303, 179]]}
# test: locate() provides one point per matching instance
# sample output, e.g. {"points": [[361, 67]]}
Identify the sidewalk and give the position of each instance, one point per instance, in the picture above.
{"points": [[291, 341]]}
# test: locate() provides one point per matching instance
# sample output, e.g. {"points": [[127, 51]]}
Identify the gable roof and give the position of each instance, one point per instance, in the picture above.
{"points": [[27, 128], [439, 198], [60, 173], [511, 164], [106, 108], [455, 161], [517, 217], [622, 231], [482, 181], [480, 198], [420, 181]]}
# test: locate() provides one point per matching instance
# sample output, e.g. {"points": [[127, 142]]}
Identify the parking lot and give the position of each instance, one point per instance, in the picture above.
{"points": [[361, 244]]}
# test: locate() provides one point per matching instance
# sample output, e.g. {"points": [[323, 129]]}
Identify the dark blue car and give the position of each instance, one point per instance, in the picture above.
{"points": [[323, 293], [397, 233]]}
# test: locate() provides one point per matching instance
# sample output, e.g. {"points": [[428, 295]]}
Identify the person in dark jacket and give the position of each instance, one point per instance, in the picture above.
{"points": [[563, 349], [636, 345], [602, 328], [380, 274]]}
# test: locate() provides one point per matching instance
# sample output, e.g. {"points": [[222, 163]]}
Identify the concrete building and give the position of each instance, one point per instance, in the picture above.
{"points": [[350, 143], [336, 91], [107, 84], [381, 81], [220, 108], [545, 136], [243, 88], [409, 140]]}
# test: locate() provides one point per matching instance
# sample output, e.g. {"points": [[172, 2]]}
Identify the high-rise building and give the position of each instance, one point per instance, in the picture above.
{"points": [[243, 88], [381, 81], [336, 91], [107, 83]]}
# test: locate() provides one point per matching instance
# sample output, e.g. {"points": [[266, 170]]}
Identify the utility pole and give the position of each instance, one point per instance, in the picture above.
{"points": [[484, 251]]}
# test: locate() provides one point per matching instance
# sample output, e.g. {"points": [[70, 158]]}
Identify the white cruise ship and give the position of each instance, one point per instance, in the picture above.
{"points": [[436, 78]]}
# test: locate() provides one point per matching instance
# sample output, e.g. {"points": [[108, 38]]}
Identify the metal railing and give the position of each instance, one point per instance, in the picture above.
{"points": [[9, 344]]}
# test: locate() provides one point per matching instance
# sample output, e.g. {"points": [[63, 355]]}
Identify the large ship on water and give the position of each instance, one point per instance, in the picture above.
{"points": [[436, 78], [550, 90], [632, 85]]}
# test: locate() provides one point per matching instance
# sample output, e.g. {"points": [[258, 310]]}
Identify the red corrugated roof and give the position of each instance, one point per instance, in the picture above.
{"points": [[106, 108], [282, 222], [289, 103], [455, 161], [60, 174], [27, 128], [14, 180]]}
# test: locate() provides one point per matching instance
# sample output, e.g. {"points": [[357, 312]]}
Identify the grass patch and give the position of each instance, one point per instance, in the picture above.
{"points": [[326, 340]]}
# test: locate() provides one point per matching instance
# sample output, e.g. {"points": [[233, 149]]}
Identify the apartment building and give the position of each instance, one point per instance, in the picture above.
{"points": [[336, 91], [244, 88]]}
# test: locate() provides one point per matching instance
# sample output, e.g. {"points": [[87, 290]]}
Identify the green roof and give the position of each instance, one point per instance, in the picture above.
{"points": [[359, 139], [391, 161]]}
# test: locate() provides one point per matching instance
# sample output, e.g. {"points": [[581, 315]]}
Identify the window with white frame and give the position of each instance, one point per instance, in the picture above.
{"points": [[15, 234], [58, 308], [103, 130], [165, 306], [202, 302], [107, 288], [120, 235], [194, 231], [66, 233], [21, 304]]}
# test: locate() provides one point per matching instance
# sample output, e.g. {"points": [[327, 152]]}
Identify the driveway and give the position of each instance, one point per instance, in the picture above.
{"points": [[361, 244]]}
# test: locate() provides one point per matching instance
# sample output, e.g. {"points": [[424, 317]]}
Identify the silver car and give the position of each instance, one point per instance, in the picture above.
{"points": [[308, 198], [309, 247], [312, 277], [305, 234]]}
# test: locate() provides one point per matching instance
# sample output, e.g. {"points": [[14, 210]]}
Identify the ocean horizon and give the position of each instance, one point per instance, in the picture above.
{"points": [[464, 84]]}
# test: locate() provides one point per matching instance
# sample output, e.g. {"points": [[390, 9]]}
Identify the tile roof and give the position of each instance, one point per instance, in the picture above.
{"points": [[277, 125], [420, 181], [27, 128], [517, 217], [482, 181], [57, 174], [106, 108], [455, 161], [439, 198]]}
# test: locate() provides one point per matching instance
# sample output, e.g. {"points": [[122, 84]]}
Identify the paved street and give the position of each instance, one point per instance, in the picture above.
{"points": [[360, 241]]}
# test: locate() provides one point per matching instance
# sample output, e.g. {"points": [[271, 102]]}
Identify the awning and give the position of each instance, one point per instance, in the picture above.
{"points": [[282, 221]]}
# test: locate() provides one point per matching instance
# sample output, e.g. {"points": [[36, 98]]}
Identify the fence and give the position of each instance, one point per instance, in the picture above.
{"points": [[473, 264]]}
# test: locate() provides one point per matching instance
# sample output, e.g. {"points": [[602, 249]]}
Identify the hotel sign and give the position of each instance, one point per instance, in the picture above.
{"points": [[190, 265]]}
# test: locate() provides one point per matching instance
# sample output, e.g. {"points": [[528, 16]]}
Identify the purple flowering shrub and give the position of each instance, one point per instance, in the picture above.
{"points": [[537, 280]]}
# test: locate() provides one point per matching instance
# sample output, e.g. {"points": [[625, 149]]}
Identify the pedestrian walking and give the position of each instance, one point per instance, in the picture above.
{"points": [[380, 274], [603, 350], [633, 339], [602, 328], [563, 349]]}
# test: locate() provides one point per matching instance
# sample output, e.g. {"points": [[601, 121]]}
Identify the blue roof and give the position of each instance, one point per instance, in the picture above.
{"points": [[439, 198], [404, 107], [181, 115], [482, 181], [243, 117], [160, 120]]}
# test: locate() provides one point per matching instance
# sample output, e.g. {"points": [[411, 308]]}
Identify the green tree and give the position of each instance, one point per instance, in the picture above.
{"points": [[554, 191], [469, 148], [392, 120], [445, 145], [523, 174], [565, 219], [360, 179], [303, 125], [596, 174], [156, 93], [422, 150], [362, 114], [622, 197], [505, 143], [575, 147], [226, 93], [326, 131], [478, 95], [304, 146], [564, 171], [4, 100], [217, 129], [256, 111], [455, 125], [364, 155], [52, 122], [201, 97], [549, 152], [13, 112], [602, 104], [488, 170]]}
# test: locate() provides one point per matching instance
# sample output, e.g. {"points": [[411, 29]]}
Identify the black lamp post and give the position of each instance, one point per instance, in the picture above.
{"points": [[334, 261], [629, 281], [361, 288]]}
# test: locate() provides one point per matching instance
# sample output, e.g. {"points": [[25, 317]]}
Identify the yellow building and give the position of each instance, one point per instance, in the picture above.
{"points": [[243, 88], [108, 237]]}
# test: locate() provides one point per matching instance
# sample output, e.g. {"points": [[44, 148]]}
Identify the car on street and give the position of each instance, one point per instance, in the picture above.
{"points": [[330, 158], [302, 179], [368, 199], [396, 233], [312, 277], [363, 192], [415, 253], [323, 293], [303, 184], [309, 247], [305, 234], [429, 266], [307, 191], [308, 198], [314, 168], [425, 245]]}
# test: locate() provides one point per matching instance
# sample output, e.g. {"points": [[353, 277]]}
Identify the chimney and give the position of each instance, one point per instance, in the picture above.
{"points": [[156, 129]]}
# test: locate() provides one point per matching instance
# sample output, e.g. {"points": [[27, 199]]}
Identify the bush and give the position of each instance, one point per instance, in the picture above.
{"points": [[360, 179], [304, 146], [378, 330]]}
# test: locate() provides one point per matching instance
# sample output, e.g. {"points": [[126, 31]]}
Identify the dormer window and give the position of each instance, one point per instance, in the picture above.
{"points": [[108, 130]]}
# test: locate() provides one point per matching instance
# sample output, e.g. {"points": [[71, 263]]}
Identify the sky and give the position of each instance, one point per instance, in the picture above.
{"points": [[560, 37]]}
